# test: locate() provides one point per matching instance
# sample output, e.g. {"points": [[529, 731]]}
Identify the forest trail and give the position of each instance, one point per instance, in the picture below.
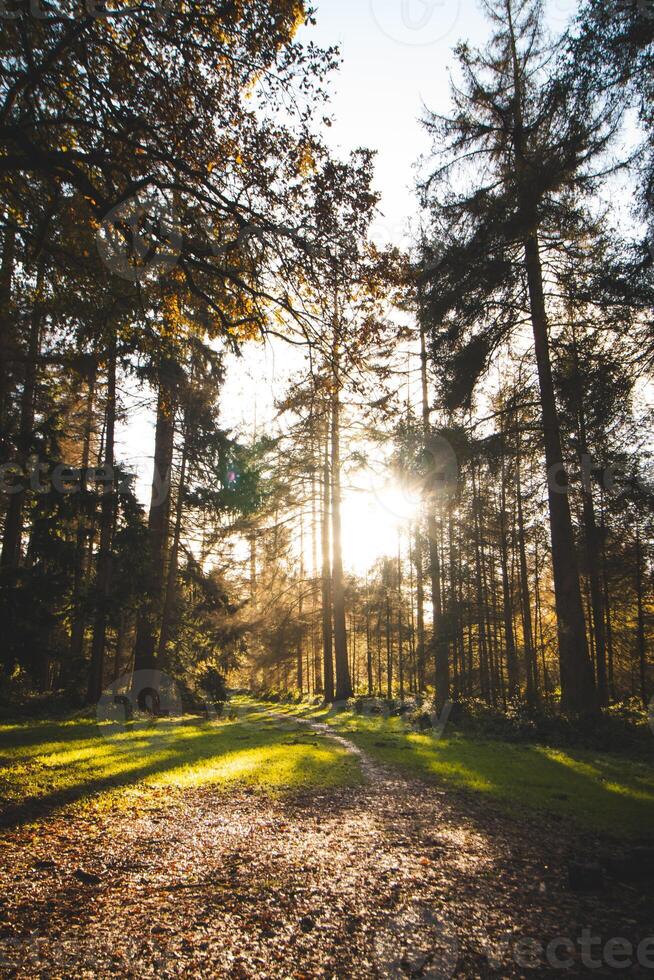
{"points": [[385, 879], [371, 770]]}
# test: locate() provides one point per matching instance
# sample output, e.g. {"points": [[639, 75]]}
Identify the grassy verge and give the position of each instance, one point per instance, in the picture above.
{"points": [[45, 765], [598, 791]]}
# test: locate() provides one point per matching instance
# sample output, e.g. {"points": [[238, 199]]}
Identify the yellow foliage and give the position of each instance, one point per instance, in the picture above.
{"points": [[306, 162]]}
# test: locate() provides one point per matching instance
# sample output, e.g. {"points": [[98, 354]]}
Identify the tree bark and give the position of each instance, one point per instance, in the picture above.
{"points": [[315, 504], [13, 531], [173, 560], [527, 627], [158, 526], [507, 599], [82, 544], [343, 680], [389, 649], [640, 626], [441, 653], [103, 580], [6, 329], [578, 692], [327, 633], [420, 610], [400, 630]]}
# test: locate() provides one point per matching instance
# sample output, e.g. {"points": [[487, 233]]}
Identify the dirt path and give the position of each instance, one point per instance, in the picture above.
{"points": [[393, 878], [372, 771]]}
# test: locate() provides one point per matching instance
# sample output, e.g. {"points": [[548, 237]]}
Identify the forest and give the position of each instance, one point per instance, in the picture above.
{"points": [[427, 543]]}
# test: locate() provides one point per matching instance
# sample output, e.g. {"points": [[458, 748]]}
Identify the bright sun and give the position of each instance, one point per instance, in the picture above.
{"points": [[373, 516]]}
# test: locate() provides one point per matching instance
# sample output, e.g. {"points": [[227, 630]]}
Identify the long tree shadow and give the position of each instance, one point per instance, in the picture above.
{"points": [[591, 793], [198, 753], [24, 734]]}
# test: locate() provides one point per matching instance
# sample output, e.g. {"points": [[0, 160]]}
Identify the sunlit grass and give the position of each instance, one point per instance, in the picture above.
{"points": [[56, 764], [596, 791]]}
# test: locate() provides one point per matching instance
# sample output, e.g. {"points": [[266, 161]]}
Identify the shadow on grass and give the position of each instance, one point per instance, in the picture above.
{"points": [[23, 734], [187, 753], [595, 791]]}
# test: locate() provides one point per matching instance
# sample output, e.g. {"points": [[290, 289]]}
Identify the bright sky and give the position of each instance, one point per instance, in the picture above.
{"points": [[396, 55]]}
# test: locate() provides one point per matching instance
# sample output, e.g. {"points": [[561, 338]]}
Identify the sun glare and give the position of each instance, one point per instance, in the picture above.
{"points": [[374, 517]]}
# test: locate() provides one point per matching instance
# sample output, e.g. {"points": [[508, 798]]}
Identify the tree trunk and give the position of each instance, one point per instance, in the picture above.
{"points": [[158, 527], [82, 544], [598, 635], [527, 627], [6, 330], [389, 650], [507, 599], [640, 628], [103, 580], [441, 653], [327, 634], [343, 680], [420, 610], [607, 602], [13, 531], [173, 560], [315, 504], [578, 692], [400, 637], [300, 651], [484, 684], [368, 642]]}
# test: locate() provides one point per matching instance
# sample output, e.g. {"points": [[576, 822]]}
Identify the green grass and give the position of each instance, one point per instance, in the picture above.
{"points": [[47, 765], [597, 791]]}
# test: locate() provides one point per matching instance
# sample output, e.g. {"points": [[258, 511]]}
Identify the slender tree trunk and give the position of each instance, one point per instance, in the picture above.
{"points": [[596, 597], [598, 636], [327, 634], [607, 609], [343, 680], [82, 543], [441, 653], [527, 628], [368, 642], [400, 637], [149, 617], [13, 531], [413, 686], [539, 619], [420, 610], [640, 629], [173, 560], [103, 580], [6, 330], [484, 684], [389, 650], [300, 650], [315, 505], [488, 609], [379, 654], [577, 681], [507, 599]]}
